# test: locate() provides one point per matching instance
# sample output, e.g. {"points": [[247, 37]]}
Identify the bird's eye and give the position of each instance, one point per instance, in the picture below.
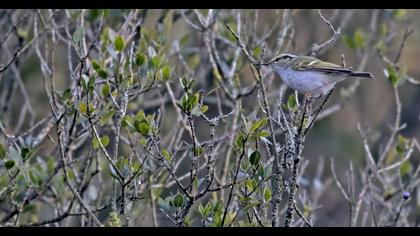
{"points": [[284, 57]]}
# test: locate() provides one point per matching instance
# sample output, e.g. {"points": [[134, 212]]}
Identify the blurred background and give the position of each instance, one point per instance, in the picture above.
{"points": [[334, 137]]}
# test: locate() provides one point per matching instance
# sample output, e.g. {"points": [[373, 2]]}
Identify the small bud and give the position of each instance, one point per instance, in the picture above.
{"points": [[406, 195]]}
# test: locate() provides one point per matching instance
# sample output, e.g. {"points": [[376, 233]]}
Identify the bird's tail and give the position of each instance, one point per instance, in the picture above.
{"points": [[366, 75]]}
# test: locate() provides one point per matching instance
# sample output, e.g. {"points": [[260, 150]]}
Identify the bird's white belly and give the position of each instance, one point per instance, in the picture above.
{"points": [[307, 81]]}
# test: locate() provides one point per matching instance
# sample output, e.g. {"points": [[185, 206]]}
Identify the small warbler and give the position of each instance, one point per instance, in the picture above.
{"points": [[311, 76]]}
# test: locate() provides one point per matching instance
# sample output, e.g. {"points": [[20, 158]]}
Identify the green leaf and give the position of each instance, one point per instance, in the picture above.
{"points": [[202, 211], [142, 127], [250, 185], [114, 219], [402, 140], [142, 141], [140, 59], [78, 34], [400, 14], [198, 151], [255, 157], [140, 115], [204, 108], [291, 102], [239, 140], [25, 152], [392, 75], [95, 65], [83, 107], [195, 183], [119, 43], [9, 164], [184, 41], [258, 124], [120, 163], [2, 151], [261, 171], [184, 102], [267, 194], [166, 72], [168, 21], [22, 33], [217, 221], [66, 94], [162, 204], [400, 150], [205, 211], [102, 73], [50, 164], [406, 168], [230, 216], [155, 61], [359, 39], [85, 81], [105, 90], [34, 177], [217, 205], [166, 155], [104, 141], [257, 51], [194, 99], [178, 200], [91, 84], [349, 41], [184, 82], [264, 133], [93, 14]]}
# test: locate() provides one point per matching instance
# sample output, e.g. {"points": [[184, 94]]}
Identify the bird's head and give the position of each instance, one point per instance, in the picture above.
{"points": [[283, 60]]}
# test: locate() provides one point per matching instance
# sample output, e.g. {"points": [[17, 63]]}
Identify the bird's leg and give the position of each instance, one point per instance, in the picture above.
{"points": [[304, 112], [310, 101]]}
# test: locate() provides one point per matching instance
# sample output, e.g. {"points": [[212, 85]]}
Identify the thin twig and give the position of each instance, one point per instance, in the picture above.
{"points": [[329, 42]]}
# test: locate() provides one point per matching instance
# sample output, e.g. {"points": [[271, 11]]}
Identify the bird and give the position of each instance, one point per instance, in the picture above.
{"points": [[310, 76]]}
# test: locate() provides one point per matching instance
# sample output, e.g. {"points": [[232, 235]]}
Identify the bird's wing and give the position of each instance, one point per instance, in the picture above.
{"points": [[313, 64]]}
